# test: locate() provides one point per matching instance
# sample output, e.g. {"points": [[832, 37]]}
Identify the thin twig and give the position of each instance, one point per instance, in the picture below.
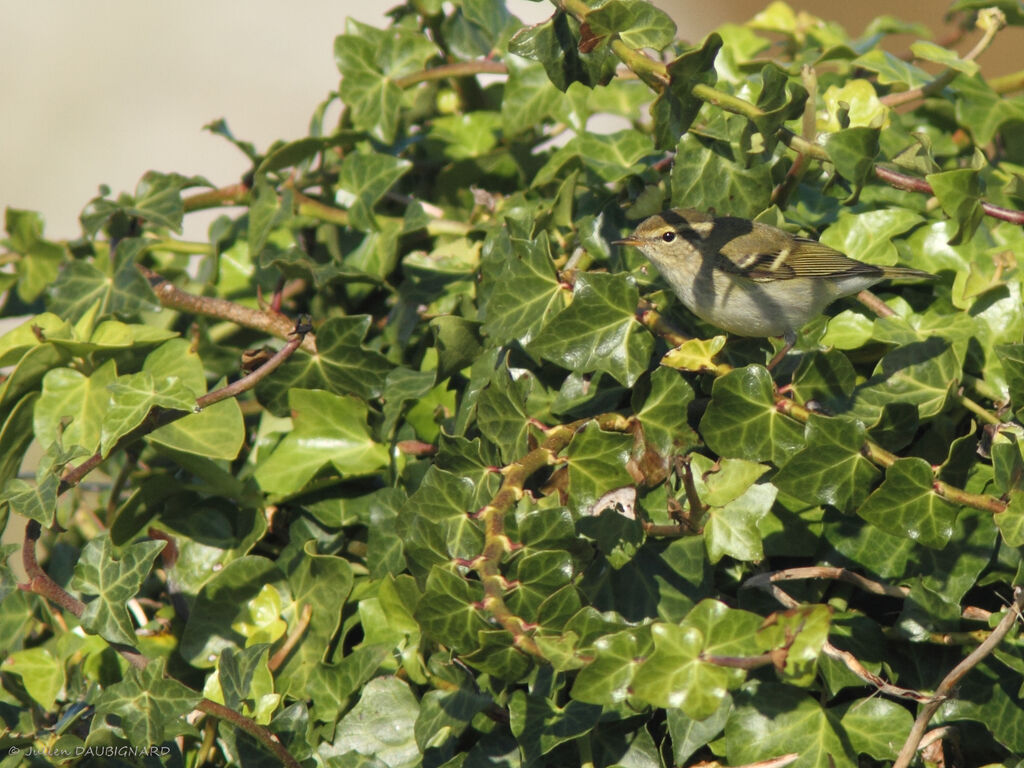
{"points": [[827, 572], [953, 679], [990, 20], [159, 417], [173, 297]]}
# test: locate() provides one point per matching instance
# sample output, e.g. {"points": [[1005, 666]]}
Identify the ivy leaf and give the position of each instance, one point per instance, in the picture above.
{"points": [[853, 152], [524, 294], [365, 178], [742, 421], [608, 678], [41, 258], [151, 707], [981, 111], [121, 290], [381, 724], [370, 60], [329, 430], [676, 107], [877, 727], [502, 414], [732, 529], [923, 49], [638, 24], [660, 403], [436, 523], [674, 675], [447, 611], [41, 673], [868, 235], [598, 331], [342, 365], [780, 100], [597, 464], [529, 96], [710, 174], [36, 502], [921, 374], [216, 432], [769, 719], [540, 726], [555, 43], [132, 397], [689, 734], [157, 200], [831, 467], [1011, 521], [801, 632], [959, 193], [906, 504], [69, 394], [115, 578], [892, 70]]}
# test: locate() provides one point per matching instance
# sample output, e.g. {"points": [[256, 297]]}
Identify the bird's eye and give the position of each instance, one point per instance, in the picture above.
{"points": [[668, 237]]}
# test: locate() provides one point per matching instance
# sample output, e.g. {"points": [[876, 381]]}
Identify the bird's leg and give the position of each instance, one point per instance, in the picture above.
{"points": [[790, 339]]}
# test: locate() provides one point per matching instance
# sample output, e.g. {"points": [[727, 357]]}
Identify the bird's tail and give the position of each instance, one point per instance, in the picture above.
{"points": [[906, 273]]}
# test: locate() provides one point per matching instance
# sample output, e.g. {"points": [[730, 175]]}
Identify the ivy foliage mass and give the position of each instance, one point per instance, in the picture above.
{"points": [[508, 502]]}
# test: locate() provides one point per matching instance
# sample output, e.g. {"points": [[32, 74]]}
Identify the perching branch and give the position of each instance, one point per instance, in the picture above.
{"points": [[950, 681]]}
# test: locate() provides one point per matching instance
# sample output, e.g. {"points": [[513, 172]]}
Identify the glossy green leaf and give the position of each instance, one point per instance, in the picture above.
{"points": [[365, 178], [225, 605], [329, 430], [877, 727], [661, 408], [892, 70], [151, 707], [710, 174], [868, 236], [742, 422], [41, 258], [540, 726], [769, 720], [526, 292], [369, 59], [831, 468], [959, 193], [448, 611], [906, 504], [733, 530], [598, 330], [113, 577], [343, 365], [608, 678], [638, 24], [920, 374], [382, 724], [555, 43], [674, 675], [853, 152], [133, 396], [41, 673], [676, 107], [923, 49], [529, 98], [121, 290], [982, 111]]}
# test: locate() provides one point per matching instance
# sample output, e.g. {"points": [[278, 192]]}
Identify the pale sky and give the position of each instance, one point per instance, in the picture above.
{"points": [[100, 92]]}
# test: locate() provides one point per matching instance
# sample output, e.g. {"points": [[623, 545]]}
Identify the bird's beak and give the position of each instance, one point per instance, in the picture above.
{"points": [[627, 241]]}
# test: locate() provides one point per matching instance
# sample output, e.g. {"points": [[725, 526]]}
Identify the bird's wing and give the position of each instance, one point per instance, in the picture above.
{"points": [[804, 258]]}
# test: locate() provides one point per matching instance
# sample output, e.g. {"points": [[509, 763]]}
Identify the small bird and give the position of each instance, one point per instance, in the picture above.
{"points": [[749, 278]]}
